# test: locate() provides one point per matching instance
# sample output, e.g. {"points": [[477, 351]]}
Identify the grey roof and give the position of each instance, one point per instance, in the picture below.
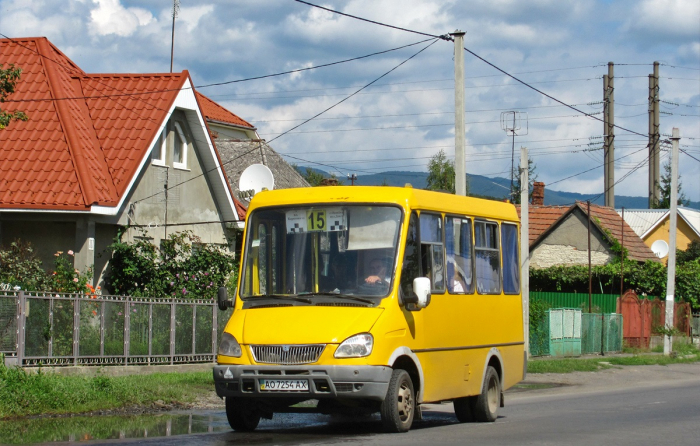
{"points": [[236, 155], [642, 221]]}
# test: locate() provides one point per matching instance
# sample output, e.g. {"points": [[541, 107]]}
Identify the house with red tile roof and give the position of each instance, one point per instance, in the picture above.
{"points": [[101, 152], [558, 235]]}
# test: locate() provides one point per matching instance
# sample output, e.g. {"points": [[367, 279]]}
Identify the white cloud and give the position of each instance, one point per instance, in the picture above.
{"points": [[110, 17], [678, 18], [192, 15]]}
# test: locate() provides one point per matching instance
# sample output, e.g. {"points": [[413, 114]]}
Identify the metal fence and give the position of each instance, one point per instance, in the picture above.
{"points": [[569, 332], [607, 303], [77, 329], [601, 333]]}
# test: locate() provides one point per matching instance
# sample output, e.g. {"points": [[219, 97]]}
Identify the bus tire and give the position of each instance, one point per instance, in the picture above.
{"points": [[399, 406], [464, 409], [486, 405], [242, 414]]}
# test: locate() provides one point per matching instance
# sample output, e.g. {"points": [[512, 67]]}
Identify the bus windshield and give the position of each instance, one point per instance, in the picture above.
{"points": [[320, 250]]}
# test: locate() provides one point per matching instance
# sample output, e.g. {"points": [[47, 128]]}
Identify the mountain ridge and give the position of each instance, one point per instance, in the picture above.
{"points": [[494, 188]]}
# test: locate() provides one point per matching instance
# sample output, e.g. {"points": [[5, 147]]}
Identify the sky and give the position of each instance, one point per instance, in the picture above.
{"points": [[401, 120]]}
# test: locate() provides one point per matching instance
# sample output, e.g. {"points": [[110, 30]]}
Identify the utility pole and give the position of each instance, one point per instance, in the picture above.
{"points": [[460, 162], [176, 9], [609, 138], [511, 122], [671, 273], [525, 245], [654, 138], [352, 177]]}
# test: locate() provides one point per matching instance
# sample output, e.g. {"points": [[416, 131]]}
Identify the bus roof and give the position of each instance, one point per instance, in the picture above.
{"points": [[406, 197]]}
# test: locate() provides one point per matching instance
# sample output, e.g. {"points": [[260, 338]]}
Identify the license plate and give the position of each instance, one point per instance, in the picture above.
{"points": [[284, 385]]}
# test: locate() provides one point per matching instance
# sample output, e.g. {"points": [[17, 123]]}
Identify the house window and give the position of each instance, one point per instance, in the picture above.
{"points": [[179, 148], [158, 152]]}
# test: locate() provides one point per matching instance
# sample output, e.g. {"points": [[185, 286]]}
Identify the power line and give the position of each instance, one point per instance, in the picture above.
{"points": [[443, 37], [356, 92], [244, 96], [597, 167]]}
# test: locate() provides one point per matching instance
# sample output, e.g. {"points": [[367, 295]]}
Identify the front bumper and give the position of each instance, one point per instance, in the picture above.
{"points": [[361, 382]]}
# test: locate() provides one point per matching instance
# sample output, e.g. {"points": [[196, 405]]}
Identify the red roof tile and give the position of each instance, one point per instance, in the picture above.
{"points": [[542, 219], [215, 112], [86, 134]]}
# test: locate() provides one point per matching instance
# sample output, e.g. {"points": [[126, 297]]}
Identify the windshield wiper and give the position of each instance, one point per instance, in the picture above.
{"points": [[345, 296], [293, 297]]}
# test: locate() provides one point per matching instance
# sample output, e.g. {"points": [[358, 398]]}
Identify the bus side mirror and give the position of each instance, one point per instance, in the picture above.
{"points": [[223, 300], [421, 288]]}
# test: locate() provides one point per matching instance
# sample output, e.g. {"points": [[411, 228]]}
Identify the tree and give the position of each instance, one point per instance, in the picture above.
{"points": [[531, 178], [312, 177], [441, 174], [8, 78], [664, 201]]}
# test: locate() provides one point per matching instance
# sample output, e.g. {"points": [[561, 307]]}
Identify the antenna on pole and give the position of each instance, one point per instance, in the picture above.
{"points": [[176, 10], [511, 123]]}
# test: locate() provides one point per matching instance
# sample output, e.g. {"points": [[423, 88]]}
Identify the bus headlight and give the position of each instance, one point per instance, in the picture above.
{"points": [[229, 346], [355, 346]]}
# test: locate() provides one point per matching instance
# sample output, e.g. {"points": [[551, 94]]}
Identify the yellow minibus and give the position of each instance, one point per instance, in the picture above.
{"points": [[359, 299]]}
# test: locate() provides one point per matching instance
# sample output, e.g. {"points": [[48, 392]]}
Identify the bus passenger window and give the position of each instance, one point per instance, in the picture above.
{"points": [[411, 265], [460, 264], [488, 259], [433, 261], [511, 266]]}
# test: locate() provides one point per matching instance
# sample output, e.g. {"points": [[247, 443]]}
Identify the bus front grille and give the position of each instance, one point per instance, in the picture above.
{"points": [[287, 354]]}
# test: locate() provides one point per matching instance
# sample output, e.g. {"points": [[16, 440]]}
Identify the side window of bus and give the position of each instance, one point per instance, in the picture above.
{"points": [[460, 263], [432, 250], [411, 261], [511, 265], [262, 259], [488, 261]]}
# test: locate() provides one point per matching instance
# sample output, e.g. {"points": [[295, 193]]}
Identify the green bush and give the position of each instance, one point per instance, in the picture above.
{"points": [[644, 278], [181, 267]]}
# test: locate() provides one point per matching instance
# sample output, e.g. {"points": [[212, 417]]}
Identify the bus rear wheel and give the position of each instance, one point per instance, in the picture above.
{"points": [[486, 405], [399, 406], [242, 414]]}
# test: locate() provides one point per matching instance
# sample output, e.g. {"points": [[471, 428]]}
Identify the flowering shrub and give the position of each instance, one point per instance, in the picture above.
{"points": [[181, 267], [20, 269], [65, 278]]}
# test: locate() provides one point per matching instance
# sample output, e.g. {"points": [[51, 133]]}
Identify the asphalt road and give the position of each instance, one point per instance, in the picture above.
{"points": [[645, 405]]}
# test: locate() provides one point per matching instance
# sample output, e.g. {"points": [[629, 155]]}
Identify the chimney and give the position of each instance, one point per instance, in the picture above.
{"points": [[329, 182], [538, 193]]}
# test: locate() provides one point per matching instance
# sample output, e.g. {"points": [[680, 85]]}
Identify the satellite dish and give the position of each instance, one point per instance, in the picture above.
{"points": [[660, 248], [254, 179]]}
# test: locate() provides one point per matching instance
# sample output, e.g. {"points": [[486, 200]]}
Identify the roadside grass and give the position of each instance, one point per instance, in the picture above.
{"points": [[25, 394], [683, 353]]}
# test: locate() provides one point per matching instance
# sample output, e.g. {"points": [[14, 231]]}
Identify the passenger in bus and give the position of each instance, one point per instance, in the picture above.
{"points": [[456, 282]]}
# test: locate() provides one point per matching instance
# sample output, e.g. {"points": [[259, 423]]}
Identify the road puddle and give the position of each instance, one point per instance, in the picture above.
{"points": [[100, 427]]}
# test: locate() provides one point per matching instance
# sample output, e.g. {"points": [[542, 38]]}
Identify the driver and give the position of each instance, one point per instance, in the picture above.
{"points": [[377, 270]]}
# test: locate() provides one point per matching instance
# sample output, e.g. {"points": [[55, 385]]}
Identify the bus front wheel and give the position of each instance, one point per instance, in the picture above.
{"points": [[242, 414], [399, 406], [486, 405]]}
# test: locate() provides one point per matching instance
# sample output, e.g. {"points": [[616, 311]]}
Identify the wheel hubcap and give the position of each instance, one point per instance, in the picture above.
{"points": [[493, 396], [405, 402]]}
